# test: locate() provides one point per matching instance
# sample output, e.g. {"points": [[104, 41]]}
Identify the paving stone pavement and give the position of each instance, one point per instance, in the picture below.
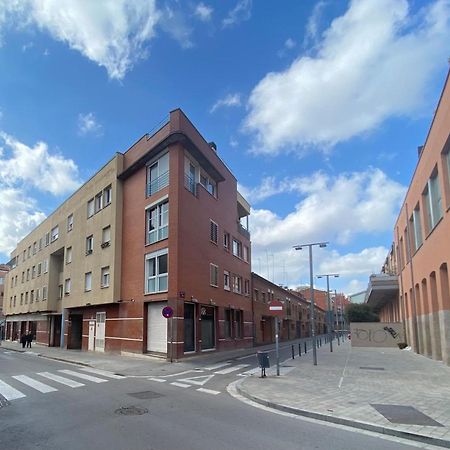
{"points": [[344, 384]]}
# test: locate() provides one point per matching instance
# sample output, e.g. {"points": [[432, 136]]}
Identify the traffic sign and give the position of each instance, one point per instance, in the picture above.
{"points": [[276, 308], [167, 312]]}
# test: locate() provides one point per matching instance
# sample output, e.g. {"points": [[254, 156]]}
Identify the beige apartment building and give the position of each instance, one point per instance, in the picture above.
{"points": [[414, 284], [71, 260]]}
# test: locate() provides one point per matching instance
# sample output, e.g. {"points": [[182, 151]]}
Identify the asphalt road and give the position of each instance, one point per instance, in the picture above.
{"points": [[182, 412]]}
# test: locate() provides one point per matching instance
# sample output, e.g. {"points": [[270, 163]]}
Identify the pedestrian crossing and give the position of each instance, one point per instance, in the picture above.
{"points": [[20, 386]]}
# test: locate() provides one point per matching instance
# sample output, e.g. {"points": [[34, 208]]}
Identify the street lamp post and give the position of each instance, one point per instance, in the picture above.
{"points": [[329, 312], [311, 290]]}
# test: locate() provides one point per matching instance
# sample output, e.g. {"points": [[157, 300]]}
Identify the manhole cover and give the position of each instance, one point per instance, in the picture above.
{"points": [[372, 368], [131, 411], [144, 395], [406, 415]]}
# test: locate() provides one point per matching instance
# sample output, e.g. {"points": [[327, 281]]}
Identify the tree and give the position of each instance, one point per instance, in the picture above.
{"points": [[355, 312]]}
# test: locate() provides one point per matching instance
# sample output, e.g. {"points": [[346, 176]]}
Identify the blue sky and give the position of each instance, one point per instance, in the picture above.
{"points": [[317, 107]]}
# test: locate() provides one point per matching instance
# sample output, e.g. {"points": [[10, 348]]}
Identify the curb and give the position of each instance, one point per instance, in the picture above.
{"points": [[347, 422]]}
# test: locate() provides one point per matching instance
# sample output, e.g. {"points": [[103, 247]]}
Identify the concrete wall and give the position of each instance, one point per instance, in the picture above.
{"points": [[376, 334]]}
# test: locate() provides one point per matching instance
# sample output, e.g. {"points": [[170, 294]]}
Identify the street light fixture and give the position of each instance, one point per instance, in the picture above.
{"points": [[311, 290], [330, 333]]}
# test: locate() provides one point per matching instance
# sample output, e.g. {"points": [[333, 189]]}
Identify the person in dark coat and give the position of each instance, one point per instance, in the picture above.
{"points": [[23, 340], [29, 339]]}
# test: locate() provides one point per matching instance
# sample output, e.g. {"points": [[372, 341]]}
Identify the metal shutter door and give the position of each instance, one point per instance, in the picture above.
{"points": [[156, 328]]}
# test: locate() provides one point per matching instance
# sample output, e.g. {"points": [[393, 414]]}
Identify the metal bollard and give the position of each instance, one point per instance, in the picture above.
{"points": [[292, 349], [299, 349], [305, 348]]}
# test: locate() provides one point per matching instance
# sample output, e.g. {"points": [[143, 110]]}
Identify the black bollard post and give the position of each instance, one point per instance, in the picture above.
{"points": [[292, 348], [299, 349], [305, 348]]}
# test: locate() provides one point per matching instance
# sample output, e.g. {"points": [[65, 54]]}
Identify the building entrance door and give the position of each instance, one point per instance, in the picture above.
{"points": [[100, 332], [91, 335], [189, 327], [208, 327], [156, 328]]}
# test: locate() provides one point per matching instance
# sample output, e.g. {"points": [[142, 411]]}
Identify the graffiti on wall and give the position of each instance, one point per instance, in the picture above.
{"points": [[376, 334]]}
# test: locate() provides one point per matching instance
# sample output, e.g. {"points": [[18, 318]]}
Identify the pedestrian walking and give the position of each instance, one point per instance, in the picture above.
{"points": [[23, 340], [29, 339]]}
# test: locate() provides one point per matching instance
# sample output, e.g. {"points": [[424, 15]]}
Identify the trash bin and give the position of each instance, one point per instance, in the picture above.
{"points": [[263, 361]]}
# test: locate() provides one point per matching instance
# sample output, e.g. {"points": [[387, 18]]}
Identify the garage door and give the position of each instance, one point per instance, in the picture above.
{"points": [[156, 328]]}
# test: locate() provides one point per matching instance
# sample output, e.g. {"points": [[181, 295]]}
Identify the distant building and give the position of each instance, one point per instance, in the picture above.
{"points": [[4, 269], [414, 284]]}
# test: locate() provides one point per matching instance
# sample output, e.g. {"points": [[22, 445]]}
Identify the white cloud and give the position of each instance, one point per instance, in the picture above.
{"points": [[290, 43], [331, 208], [87, 124], [229, 100], [111, 33], [19, 216], [173, 22], [36, 167], [313, 24], [241, 12], [203, 12], [374, 62]]}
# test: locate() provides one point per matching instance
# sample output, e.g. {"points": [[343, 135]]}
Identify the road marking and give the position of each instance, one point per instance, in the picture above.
{"points": [[103, 373], [159, 380], [231, 369], [83, 376], [218, 366], [31, 353], [208, 391], [41, 387], [9, 392], [250, 372], [180, 385], [182, 373], [62, 380], [196, 380]]}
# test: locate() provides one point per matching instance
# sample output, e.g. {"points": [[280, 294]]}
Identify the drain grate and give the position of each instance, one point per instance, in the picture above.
{"points": [[406, 415], [372, 368], [131, 411], [145, 395]]}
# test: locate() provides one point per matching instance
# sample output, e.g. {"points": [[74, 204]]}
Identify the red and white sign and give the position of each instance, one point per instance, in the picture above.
{"points": [[276, 308]]}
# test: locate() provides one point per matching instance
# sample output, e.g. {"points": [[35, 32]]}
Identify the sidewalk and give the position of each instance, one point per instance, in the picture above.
{"points": [[347, 385]]}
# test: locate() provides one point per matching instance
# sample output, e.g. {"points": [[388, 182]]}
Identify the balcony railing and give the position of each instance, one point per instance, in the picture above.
{"points": [[190, 184], [158, 183], [242, 230]]}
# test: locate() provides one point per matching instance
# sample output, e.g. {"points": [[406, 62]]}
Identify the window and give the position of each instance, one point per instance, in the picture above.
{"points": [[44, 293], [26, 298], [213, 231], [23, 276], [238, 324], [246, 252], [24, 255], [106, 236], [68, 255], [237, 248], [263, 294], [417, 227], [54, 233], [40, 244], [226, 241], [47, 239], [45, 265], [226, 280], [90, 208], [67, 286], [88, 281], [29, 251], [157, 219], [208, 184], [105, 277], [158, 175], [28, 274], [89, 244], [21, 298], [32, 296], [247, 287], [237, 284], [256, 295], [107, 195], [70, 222], [213, 275], [60, 291], [190, 178], [98, 202], [34, 247], [14, 301], [33, 272], [38, 294], [39, 269], [156, 272], [228, 320], [433, 201]]}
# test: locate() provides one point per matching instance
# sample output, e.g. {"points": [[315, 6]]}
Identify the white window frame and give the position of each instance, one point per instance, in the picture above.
{"points": [[161, 180], [88, 281], [238, 251], [39, 269], [90, 208], [69, 253], [107, 196], [44, 293], [213, 275], [67, 286], [213, 232], [105, 277], [47, 239], [54, 233], [106, 236], [417, 225], [98, 202], [90, 244], [160, 230], [45, 265], [158, 276], [226, 280], [69, 222]]}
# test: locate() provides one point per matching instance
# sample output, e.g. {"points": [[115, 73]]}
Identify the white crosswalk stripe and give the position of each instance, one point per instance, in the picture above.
{"points": [[62, 380], [208, 391], [231, 369], [35, 384], [181, 385], [104, 373], [83, 376], [218, 366], [250, 372], [9, 392]]}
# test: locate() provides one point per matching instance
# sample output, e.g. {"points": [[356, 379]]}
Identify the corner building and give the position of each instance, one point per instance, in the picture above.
{"points": [[160, 225]]}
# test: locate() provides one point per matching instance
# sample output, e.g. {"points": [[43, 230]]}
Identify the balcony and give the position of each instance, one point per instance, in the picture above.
{"points": [[190, 184], [243, 231], [157, 184], [382, 289]]}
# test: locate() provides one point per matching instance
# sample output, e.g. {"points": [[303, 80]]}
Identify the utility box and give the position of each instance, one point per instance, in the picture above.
{"points": [[263, 361]]}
